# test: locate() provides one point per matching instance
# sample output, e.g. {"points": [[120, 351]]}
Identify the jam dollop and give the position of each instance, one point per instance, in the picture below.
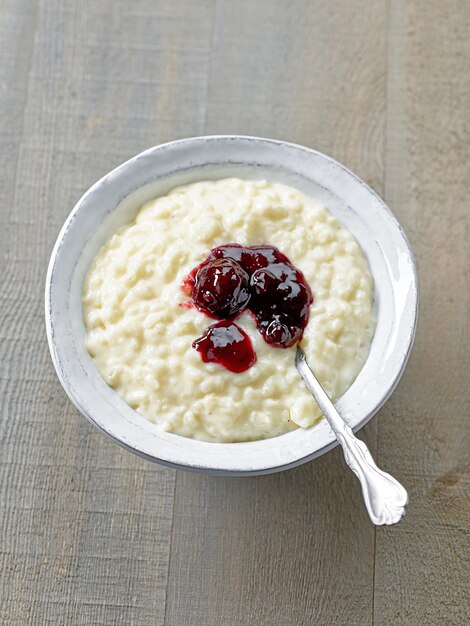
{"points": [[228, 345], [221, 289], [258, 279]]}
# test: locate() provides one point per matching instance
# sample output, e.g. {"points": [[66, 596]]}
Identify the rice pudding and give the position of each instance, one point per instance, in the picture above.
{"points": [[140, 325]]}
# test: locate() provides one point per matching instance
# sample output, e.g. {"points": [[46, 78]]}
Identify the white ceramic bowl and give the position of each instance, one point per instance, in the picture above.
{"points": [[115, 199]]}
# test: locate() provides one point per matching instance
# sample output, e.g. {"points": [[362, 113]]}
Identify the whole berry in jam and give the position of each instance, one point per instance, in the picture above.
{"points": [[221, 288], [278, 329], [279, 283]]}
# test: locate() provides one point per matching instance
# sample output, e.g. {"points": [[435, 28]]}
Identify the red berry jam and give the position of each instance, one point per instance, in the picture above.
{"points": [[259, 279], [228, 345], [221, 289]]}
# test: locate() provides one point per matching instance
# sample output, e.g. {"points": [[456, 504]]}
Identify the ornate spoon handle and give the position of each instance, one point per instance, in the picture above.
{"points": [[385, 498]]}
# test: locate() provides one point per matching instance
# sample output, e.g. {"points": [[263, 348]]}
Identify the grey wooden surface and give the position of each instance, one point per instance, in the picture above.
{"points": [[93, 535]]}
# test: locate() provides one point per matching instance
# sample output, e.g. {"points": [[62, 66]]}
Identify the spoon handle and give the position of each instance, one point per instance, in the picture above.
{"points": [[385, 498]]}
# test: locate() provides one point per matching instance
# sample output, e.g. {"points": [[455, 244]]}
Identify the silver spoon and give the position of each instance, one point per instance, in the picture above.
{"points": [[385, 498]]}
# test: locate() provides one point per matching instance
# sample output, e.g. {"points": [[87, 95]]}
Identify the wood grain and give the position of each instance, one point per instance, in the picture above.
{"points": [[93, 535], [86, 527], [423, 566]]}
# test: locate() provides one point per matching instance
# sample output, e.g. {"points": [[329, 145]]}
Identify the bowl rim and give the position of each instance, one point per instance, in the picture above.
{"points": [[88, 413]]}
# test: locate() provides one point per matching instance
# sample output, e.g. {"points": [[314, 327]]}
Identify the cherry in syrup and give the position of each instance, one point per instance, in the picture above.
{"points": [[259, 279]]}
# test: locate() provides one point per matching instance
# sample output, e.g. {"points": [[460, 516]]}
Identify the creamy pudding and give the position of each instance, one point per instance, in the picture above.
{"points": [[141, 325]]}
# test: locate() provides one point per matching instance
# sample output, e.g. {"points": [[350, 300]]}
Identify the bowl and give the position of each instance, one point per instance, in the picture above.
{"points": [[115, 199]]}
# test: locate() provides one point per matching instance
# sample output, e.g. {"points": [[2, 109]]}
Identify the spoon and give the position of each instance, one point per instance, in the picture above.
{"points": [[385, 498]]}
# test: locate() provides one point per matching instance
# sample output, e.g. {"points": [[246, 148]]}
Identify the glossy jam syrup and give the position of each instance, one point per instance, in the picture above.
{"points": [[228, 345], [259, 279], [221, 289]]}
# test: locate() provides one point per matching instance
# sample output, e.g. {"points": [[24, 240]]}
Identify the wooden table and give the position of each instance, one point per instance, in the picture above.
{"points": [[93, 535]]}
